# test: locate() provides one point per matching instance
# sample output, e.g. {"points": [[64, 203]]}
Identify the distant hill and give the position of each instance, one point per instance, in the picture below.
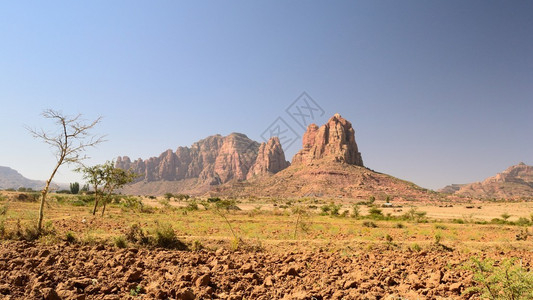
{"points": [[514, 183], [10, 178]]}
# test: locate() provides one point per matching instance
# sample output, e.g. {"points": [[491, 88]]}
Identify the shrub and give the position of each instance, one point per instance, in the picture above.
{"points": [[3, 210], [226, 204], [182, 196], [192, 206], [120, 242], [416, 247], [509, 280], [399, 225], [332, 209], [388, 238], [369, 224], [440, 226], [523, 222], [438, 238], [137, 290], [70, 237], [375, 213], [197, 245], [2, 229], [136, 235], [165, 237], [414, 215], [213, 199], [356, 211], [236, 244], [505, 216]]}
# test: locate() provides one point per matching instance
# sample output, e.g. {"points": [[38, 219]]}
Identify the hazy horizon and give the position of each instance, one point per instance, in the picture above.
{"points": [[437, 92]]}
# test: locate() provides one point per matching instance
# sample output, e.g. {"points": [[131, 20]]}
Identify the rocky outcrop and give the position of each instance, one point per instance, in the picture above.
{"points": [[515, 182], [213, 161], [270, 159], [334, 141]]}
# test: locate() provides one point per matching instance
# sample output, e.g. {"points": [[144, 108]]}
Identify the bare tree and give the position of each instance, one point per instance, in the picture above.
{"points": [[69, 141]]}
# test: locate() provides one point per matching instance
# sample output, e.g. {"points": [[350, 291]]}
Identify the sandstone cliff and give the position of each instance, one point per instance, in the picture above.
{"points": [[270, 159], [212, 161], [333, 141]]}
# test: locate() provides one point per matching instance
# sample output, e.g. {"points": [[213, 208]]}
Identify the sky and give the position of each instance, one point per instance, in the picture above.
{"points": [[438, 92]]}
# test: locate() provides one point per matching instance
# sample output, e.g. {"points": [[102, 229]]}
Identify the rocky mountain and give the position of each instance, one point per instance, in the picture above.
{"points": [[10, 178], [333, 141], [209, 162], [329, 165], [515, 182]]}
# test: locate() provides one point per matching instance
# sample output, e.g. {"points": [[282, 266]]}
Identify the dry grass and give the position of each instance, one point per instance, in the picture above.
{"points": [[273, 226]]}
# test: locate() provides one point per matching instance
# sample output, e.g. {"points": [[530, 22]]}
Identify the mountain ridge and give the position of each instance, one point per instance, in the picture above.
{"points": [[513, 183]]}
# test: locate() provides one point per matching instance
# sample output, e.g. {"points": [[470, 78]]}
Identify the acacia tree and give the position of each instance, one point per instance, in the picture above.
{"points": [[94, 176], [69, 141], [108, 179], [115, 178]]}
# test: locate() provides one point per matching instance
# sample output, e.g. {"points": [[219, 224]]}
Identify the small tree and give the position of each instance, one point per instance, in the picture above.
{"points": [[94, 176], [69, 141], [505, 216], [74, 188], [105, 179], [85, 188], [114, 178]]}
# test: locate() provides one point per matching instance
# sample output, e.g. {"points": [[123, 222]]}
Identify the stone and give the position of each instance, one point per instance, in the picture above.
{"points": [[203, 280], [50, 294], [456, 287]]}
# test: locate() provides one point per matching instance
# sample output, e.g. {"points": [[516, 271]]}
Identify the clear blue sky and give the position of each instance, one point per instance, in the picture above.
{"points": [[438, 92]]}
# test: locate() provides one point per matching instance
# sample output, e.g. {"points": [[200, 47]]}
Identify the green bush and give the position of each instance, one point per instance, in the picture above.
{"points": [[197, 245], [192, 206], [369, 224], [375, 213], [137, 290], [506, 280], [416, 247], [136, 235], [440, 226], [414, 215], [332, 209], [523, 222], [165, 237], [399, 225], [120, 242], [70, 237], [3, 210], [356, 211]]}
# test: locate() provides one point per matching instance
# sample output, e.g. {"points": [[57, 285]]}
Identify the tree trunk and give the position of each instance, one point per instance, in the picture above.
{"points": [[44, 192], [103, 208], [95, 199]]}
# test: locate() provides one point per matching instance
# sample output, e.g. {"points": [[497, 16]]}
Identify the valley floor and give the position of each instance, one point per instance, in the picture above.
{"points": [[264, 251]]}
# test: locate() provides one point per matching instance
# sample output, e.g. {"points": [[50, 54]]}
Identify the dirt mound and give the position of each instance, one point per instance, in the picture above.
{"points": [[63, 271], [328, 179]]}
